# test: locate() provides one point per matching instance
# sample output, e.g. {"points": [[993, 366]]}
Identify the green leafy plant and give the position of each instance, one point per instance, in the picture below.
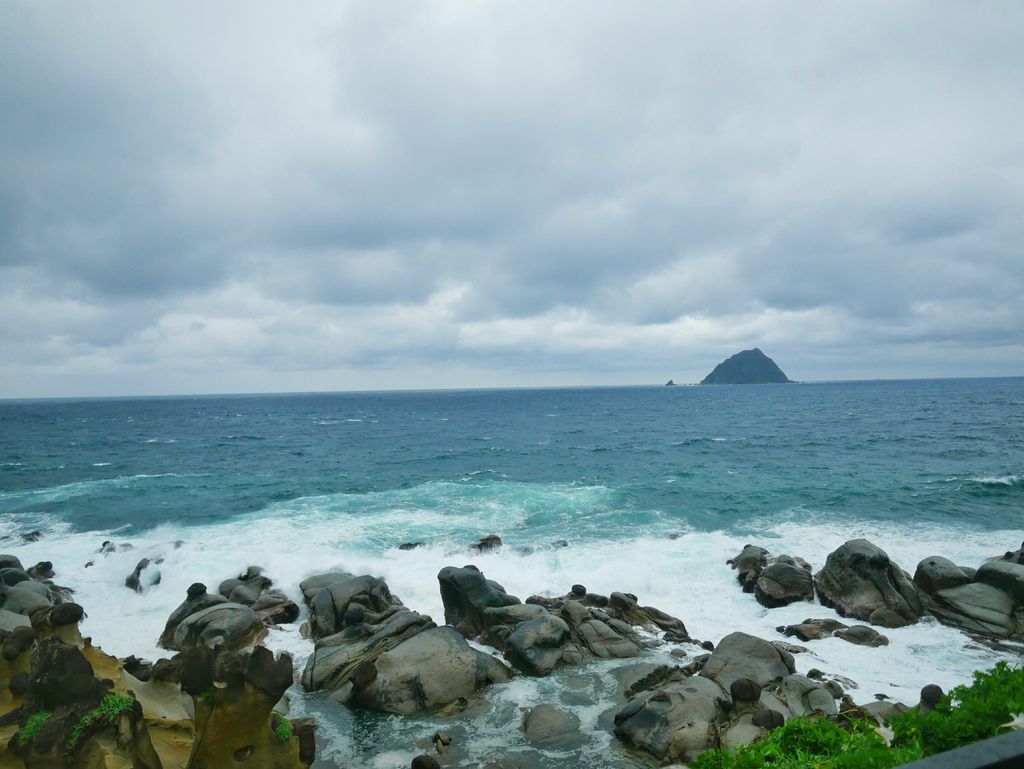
{"points": [[965, 715], [32, 726], [105, 714], [283, 730]]}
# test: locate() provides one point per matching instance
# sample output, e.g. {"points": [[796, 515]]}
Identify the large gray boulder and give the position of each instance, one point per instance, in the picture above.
{"points": [[978, 609], [674, 717], [740, 655], [362, 595], [860, 581], [196, 599], [937, 573], [1006, 575], [227, 626], [383, 656], [550, 728], [538, 646], [986, 602], [675, 722], [783, 583], [429, 671]]}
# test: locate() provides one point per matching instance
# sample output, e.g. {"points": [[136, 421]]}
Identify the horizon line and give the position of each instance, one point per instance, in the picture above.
{"points": [[254, 394]]}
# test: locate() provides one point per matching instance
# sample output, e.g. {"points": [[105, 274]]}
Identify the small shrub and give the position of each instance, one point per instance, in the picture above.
{"points": [[966, 715]]}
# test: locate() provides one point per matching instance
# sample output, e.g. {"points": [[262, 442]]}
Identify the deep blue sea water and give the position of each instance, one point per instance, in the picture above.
{"points": [[306, 483], [707, 457]]}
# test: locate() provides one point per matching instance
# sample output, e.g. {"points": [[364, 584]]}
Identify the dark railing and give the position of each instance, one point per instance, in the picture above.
{"points": [[1003, 752]]}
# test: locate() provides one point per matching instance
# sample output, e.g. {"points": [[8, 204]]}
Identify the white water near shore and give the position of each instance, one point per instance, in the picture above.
{"points": [[686, 577]]}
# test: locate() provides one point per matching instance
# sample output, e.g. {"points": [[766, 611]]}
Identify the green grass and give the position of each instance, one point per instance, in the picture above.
{"points": [[32, 726], [283, 730], [105, 714], [965, 715]]}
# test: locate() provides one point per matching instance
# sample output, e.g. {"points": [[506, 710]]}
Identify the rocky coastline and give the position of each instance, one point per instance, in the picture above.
{"points": [[220, 696]]}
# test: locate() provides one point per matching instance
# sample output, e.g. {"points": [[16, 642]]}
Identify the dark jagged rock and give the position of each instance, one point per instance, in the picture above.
{"points": [[41, 571], [747, 367], [62, 684], [134, 581], [383, 656], [546, 633], [748, 565], [350, 601], [862, 635], [487, 544], [466, 593], [411, 545], [812, 629], [860, 581], [774, 582]]}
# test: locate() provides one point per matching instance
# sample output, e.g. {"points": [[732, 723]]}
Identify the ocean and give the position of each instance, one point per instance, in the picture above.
{"points": [[649, 489]]}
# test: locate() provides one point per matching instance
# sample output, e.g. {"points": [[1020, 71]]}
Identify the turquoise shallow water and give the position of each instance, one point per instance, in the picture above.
{"points": [[652, 489]]}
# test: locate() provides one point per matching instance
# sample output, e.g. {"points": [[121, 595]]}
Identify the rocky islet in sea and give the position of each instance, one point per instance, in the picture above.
{"points": [[220, 699]]}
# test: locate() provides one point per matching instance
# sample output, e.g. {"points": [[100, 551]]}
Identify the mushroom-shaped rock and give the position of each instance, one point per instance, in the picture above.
{"points": [[234, 694], [859, 579]]}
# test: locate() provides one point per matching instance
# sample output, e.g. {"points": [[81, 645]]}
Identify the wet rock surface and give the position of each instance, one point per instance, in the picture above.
{"points": [[861, 582], [544, 634], [374, 652]]}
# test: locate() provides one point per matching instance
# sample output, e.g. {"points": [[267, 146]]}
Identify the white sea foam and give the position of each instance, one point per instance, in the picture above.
{"points": [[997, 480], [687, 577]]}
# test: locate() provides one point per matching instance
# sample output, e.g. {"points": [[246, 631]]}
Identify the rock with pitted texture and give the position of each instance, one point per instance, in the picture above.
{"points": [[62, 684], [234, 694]]}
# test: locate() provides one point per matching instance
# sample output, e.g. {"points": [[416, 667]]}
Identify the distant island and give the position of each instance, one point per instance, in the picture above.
{"points": [[670, 383], [747, 367]]}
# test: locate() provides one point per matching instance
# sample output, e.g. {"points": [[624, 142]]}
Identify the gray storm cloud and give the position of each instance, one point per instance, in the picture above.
{"points": [[228, 197]]}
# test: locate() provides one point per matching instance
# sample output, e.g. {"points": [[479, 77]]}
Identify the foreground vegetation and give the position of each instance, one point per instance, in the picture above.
{"points": [[991, 705]]}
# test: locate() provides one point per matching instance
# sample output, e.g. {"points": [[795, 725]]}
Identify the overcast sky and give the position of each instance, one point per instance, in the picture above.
{"points": [[234, 197]]}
